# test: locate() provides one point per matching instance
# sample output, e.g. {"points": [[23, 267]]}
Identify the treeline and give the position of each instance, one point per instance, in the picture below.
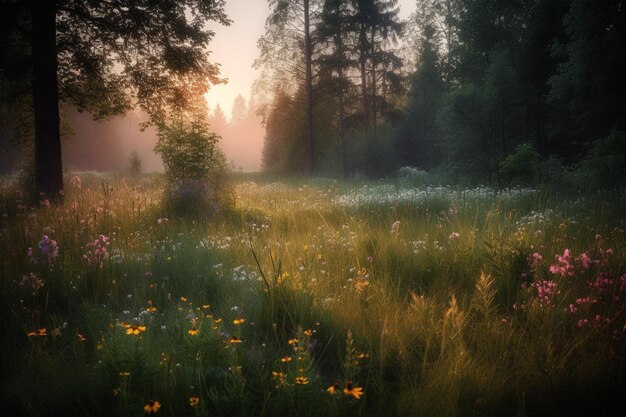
{"points": [[474, 90]]}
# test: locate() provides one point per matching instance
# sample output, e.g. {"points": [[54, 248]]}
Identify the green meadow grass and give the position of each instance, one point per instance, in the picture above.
{"points": [[313, 298]]}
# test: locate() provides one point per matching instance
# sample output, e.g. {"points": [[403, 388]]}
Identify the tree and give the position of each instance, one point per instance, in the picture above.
{"points": [[589, 83], [106, 57], [239, 112], [287, 52], [418, 133]]}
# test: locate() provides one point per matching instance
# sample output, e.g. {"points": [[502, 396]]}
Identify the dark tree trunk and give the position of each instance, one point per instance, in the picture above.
{"points": [[309, 87], [48, 165], [362, 67]]}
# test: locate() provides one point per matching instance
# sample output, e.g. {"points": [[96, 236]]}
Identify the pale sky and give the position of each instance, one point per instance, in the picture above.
{"points": [[235, 48]]}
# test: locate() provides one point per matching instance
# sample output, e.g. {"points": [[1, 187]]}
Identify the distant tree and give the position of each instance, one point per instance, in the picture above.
{"points": [[239, 112], [105, 57], [589, 87], [418, 134], [134, 164], [217, 120], [286, 50]]}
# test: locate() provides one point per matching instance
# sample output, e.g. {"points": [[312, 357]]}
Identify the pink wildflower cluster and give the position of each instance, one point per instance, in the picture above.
{"points": [[31, 281], [603, 306], [48, 249], [565, 264], [546, 291], [97, 251]]}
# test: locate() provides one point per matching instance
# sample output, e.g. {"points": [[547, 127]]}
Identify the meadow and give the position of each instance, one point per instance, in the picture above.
{"points": [[313, 298]]}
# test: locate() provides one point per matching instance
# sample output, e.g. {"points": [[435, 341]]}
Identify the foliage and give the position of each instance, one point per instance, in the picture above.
{"points": [[520, 166], [195, 167]]}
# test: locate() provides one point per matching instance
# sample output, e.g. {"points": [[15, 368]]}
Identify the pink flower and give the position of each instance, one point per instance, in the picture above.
{"points": [[585, 260], [563, 266]]}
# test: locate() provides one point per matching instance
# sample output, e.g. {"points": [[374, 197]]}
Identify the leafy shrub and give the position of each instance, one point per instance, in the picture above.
{"points": [[604, 165], [520, 166], [414, 177], [195, 168]]}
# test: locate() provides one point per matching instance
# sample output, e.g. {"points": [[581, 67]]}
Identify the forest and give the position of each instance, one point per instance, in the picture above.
{"points": [[474, 91], [436, 227]]}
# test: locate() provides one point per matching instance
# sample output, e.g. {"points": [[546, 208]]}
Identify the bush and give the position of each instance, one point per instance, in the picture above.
{"points": [[195, 169], [414, 177], [604, 165], [520, 166]]}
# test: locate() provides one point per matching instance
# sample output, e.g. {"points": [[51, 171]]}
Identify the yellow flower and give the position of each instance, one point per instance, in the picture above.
{"points": [[124, 373], [234, 339], [217, 320], [152, 407], [334, 389], [206, 306], [286, 359], [194, 401], [302, 380], [183, 299], [239, 321], [361, 284], [293, 341], [38, 332], [193, 331], [308, 333], [135, 330], [355, 392]]}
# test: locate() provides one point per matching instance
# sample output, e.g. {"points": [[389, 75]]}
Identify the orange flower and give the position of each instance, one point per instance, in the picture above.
{"points": [[302, 380], [193, 331], [135, 330], [239, 321], [334, 389], [308, 333], [38, 332], [234, 339], [293, 341], [152, 407], [350, 390], [194, 401], [286, 359]]}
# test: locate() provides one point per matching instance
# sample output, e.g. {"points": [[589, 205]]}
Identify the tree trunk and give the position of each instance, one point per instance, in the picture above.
{"points": [[374, 88], [48, 164], [362, 62], [309, 87]]}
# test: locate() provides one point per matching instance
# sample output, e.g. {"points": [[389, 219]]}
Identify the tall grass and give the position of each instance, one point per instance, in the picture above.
{"points": [[304, 295]]}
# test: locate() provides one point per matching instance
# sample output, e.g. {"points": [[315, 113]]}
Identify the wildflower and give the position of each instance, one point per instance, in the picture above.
{"points": [[234, 339], [239, 321], [76, 182], [152, 407], [361, 285], [193, 331], [286, 359], [194, 401], [334, 389], [206, 306], [395, 227], [302, 380], [292, 341], [124, 374], [38, 332], [135, 330], [49, 249], [350, 390], [80, 337], [454, 235], [585, 260], [308, 333]]}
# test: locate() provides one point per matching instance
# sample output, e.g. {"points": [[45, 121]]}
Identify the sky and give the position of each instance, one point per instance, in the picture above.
{"points": [[234, 47]]}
